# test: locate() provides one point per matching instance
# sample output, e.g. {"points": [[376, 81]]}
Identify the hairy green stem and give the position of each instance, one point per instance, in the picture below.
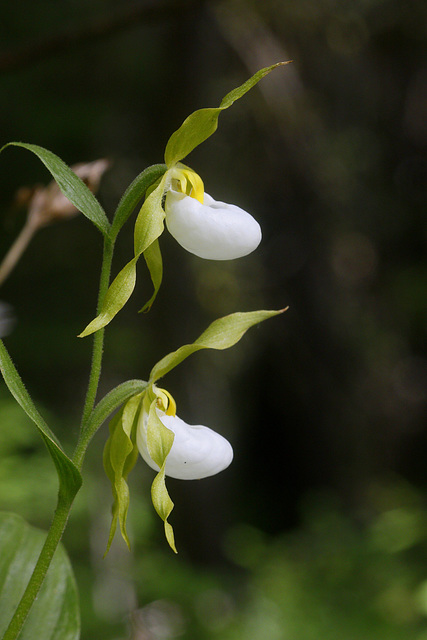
{"points": [[33, 587], [98, 340]]}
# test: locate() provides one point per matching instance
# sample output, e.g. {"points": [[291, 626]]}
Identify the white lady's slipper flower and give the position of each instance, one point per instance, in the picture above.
{"points": [[197, 451], [209, 229]]}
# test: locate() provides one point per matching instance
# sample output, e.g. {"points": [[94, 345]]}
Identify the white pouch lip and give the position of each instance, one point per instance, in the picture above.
{"points": [[213, 230], [197, 451]]}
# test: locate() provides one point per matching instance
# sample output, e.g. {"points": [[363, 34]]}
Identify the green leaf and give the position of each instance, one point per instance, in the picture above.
{"points": [[221, 334], [69, 476], [55, 613], [153, 259], [201, 124], [159, 442], [71, 185], [133, 194], [120, 456]]}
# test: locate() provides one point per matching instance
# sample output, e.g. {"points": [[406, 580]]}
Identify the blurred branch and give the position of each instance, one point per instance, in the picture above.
{"points": [[96, 30], [257, 46], [17, 249], [46, 205]]}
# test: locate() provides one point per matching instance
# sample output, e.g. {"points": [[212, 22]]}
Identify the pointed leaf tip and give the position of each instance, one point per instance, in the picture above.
{"points": [[69, 476], [220, 334], [201, 124], [116, 297], [70, 184]]}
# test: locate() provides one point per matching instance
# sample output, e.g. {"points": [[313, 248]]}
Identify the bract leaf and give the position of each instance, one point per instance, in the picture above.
{"points": [[195, 129], [55, 613], [71, 185], [120, 455], [69, 476], [203, 123], [159, 443], [221, 334], [153, 259], [134, 194], [112, 401]]}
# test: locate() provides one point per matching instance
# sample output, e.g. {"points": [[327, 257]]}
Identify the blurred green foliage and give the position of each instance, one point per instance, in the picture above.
{"points": [[329, 156], [332, 577]]}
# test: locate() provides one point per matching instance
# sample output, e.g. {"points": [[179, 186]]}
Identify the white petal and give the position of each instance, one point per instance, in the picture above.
{"points": [[213, 230], [197, 451]]}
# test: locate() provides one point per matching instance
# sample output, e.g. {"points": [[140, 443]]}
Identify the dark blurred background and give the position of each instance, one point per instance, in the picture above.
{"points": [[319, 528]]}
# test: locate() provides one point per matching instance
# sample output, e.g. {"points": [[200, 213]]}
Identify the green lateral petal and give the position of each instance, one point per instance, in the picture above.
{"points": [[71, 185], [69, 476], [122, 444], [203, 123], [149, 223], [221, 334], [116, 297], [163, 505], [153, 258], [108, 468], [159, 443], [120, 456], [148, 227]]}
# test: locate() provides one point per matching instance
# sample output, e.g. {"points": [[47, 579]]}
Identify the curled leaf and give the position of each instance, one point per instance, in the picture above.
{"points": [[221, 334], [201, 124]]}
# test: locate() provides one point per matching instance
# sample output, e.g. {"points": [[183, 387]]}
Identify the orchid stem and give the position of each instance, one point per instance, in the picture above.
{"points": [[32, 589], [98, 339]]}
